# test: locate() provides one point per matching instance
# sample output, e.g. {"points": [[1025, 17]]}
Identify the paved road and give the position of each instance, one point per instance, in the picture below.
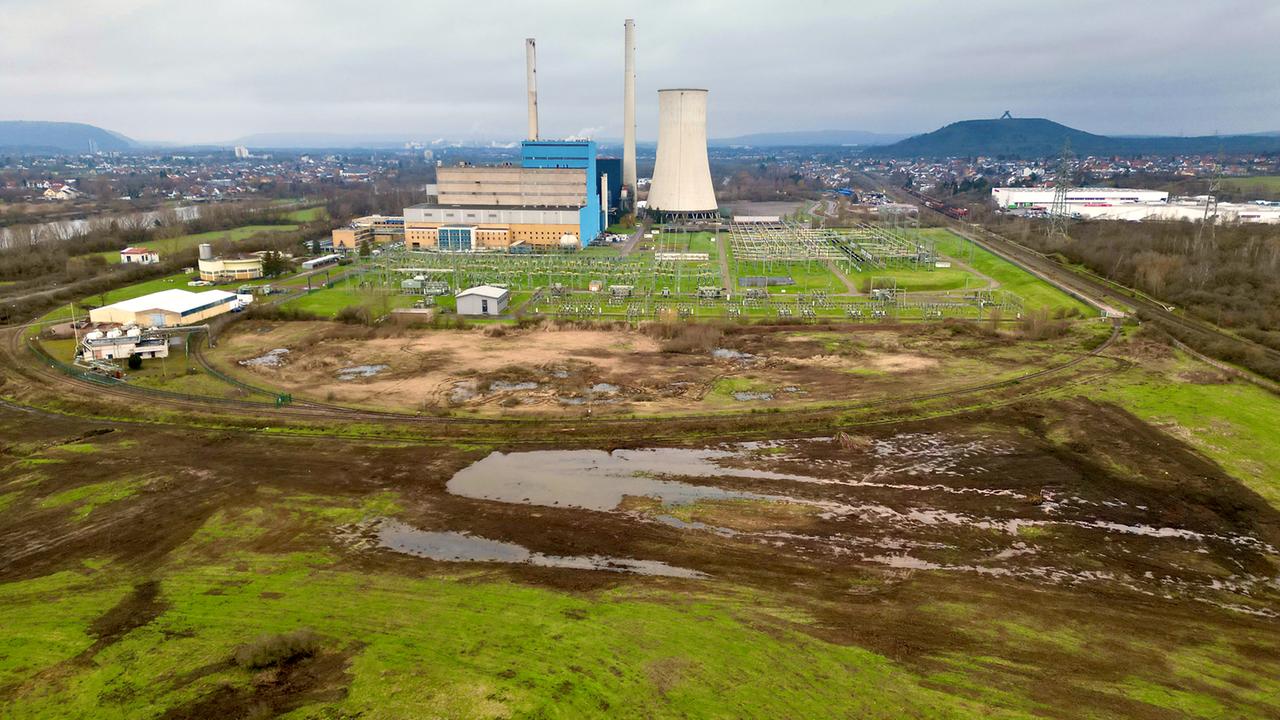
{"points": [[630, 245]]}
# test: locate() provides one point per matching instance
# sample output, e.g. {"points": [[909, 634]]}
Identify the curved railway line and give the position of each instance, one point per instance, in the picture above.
{"points": [[24, 359]]}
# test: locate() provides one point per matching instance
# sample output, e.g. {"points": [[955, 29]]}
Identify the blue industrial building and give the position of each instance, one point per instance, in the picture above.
{"points": [[578, 154]]}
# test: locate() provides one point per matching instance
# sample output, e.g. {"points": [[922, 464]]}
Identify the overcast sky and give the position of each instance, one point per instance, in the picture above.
{"points": [[180, 70]]}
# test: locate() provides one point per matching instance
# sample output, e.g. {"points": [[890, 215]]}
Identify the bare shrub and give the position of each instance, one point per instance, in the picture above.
{"points": [[852, 442], [354, 315], [686, 338], [1037, 325], [280, 649]]}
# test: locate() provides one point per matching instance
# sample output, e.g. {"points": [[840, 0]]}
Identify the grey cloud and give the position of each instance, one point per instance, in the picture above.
{"points": [[181, 70]]}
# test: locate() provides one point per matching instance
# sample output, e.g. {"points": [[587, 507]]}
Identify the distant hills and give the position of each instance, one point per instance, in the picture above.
{"points": [[1008, 137], [809, 138], [1038, 137], [59, 137]]}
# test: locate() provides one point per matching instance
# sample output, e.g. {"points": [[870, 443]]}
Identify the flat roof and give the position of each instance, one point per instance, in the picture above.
{"points": [[434, 206], [178, 301]]}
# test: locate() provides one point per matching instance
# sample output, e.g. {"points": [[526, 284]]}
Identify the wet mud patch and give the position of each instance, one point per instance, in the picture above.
{"points": [[454, 546], [136, 610], [989, 500], [274, 691]]}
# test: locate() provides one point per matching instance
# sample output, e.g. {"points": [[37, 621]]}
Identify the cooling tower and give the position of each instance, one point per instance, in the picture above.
{"points": [[681, 185], [531, 70], [629, 111]]}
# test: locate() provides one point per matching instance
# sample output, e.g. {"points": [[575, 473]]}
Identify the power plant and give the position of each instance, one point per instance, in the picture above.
{"points": [[681, 189], [560, 195]]}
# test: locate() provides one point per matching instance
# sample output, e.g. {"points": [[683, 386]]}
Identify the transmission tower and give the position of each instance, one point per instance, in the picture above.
{"points": [[1060, 212], [1211, 205]]}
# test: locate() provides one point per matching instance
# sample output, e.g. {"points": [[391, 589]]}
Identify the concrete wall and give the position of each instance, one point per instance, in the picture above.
{"points": [[512, 186]]}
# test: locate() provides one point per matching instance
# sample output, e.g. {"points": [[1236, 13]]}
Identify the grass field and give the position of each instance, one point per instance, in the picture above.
{"points": [[922, 280], [1233, 423], [1033, 291], [1264, 186], [327, 302], [306, 215], [171, 245]]}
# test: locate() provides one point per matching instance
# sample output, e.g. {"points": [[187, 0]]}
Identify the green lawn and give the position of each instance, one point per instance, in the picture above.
{"points": [[171, 245], [307, 215], [808, 276], [1235, 424], [327, 302], [457, 643], [921, 280], [1265, 186], [1034, 292]]}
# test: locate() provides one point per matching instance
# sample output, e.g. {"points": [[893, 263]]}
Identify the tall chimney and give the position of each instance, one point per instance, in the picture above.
{"points": [[629, 112], [531, 61]]}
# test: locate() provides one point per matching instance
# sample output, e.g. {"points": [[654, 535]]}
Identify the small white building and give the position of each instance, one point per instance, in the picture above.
{"points": [[483, 300], [118, 344], [139, 256]]}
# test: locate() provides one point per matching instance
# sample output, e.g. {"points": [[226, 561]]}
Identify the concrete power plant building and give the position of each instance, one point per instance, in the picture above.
{"points": [[681, 188]]}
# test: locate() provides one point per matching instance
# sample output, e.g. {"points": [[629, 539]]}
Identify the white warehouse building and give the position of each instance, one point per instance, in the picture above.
{"points": [[1015, 198]]}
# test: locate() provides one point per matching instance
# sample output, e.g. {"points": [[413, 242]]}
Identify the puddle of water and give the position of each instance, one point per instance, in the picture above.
{"points": [[464, 547], [749, 395], [360, 371], [503, 386], [728, 354], [598, 480], [272, 358], [604, 388], [462, 391]]}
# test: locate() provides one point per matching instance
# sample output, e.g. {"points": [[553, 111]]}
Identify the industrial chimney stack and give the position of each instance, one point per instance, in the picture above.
{"points": [[531, 61], [629, 113]]}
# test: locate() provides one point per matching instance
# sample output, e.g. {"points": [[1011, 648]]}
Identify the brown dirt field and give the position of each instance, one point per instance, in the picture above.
{"points": [[551, 370], [1118, 532]]}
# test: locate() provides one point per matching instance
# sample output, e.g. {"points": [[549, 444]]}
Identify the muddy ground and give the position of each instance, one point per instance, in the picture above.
{"points": [[553, 369], [1033, 559]]}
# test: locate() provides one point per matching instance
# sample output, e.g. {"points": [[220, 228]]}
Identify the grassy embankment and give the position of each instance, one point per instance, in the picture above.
{"points": [[1035, 293]]}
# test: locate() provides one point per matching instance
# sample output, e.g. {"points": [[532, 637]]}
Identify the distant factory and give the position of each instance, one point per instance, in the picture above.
{"points": [[561, 195], [1133, 205], [556, 197]]}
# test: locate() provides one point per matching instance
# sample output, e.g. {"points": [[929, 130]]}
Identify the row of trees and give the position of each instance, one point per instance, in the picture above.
{"points": [[1229, 275]]}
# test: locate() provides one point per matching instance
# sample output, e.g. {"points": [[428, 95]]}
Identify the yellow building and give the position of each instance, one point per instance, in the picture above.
{"points": [[236, 268], [494, 208], [167, 308], [376, 229]]}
